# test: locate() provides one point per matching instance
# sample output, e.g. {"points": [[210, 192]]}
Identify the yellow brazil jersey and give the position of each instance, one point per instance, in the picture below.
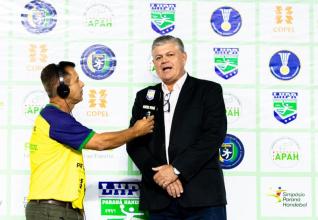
{"points": [[57, 169]]}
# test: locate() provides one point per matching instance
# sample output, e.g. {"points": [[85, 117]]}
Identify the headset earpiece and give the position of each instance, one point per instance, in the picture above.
{"points": [[62, 90]]}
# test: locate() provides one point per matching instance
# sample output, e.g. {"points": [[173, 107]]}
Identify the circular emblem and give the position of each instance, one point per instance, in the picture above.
{"points": [[284, 65], [39, 18], [285, 152], [226, 21], [34, 102], [231, 152], [233, 107], [98, 62], [98, 17]]}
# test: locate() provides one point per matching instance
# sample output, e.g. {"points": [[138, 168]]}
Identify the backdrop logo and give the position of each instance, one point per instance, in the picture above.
{"points": [[34, 102], [284, 65], [152, 68], [37, 57], [233, 107], [285, 106], [231, 152], [162, 17], [40, 17], [287, 199], [226, 62], [98, 62], [30, 148], [97, 103], [285, 152], [98, 17], [284, 19], [120, 200], [226, 21], [276, 193]]}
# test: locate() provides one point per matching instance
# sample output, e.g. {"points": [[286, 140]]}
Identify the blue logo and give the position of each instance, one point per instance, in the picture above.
{"points": [[162, 17], [120, 200], [285, 106], [226, 62], [284, 65], [231, 152], [98, 62], [226, 21], [39, 18]]}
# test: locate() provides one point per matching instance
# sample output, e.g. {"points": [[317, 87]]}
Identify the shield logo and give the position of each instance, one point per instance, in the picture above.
{"points": [[285, 106], [162, 17], [98, 61], [150, 94], [226, 62], [226, 151]]}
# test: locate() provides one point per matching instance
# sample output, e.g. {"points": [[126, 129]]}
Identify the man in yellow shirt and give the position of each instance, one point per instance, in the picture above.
{"points": [[57, 182]]}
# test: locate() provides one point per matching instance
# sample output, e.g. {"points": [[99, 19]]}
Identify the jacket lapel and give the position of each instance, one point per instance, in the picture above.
{"points": [[184, 96], [159, 119]]}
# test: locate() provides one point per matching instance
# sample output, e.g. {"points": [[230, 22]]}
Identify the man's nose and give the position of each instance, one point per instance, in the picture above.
{"points": [[164, 59]]}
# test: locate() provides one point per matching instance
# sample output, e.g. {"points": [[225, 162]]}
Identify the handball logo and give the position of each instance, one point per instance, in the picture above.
{"points": [[39, 18], [162, 17], [98, 62], [231, 152], [226, 62], [120, 200], [284, 65], [226, 21], [285, 106]]}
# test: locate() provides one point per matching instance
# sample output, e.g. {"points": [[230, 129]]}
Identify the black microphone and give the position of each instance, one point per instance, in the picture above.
{"points": [[152, 102]]}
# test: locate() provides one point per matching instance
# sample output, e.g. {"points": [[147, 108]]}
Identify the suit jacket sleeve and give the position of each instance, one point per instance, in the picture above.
{"points": [[211, 137], [138, 148]]}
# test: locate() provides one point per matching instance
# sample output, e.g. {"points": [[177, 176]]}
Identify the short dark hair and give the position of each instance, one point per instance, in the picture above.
{"points": [[166, 39], [50, 76]]}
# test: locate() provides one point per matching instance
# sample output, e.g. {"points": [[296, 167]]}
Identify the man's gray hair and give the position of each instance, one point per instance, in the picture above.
{"points": [[168, 39]]}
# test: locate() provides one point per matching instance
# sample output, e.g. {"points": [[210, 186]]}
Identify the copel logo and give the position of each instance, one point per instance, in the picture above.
{"points": [[97, 103], [284, 19]]}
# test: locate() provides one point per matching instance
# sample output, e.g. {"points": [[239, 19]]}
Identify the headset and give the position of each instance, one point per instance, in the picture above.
{"points": [[62, 89]]}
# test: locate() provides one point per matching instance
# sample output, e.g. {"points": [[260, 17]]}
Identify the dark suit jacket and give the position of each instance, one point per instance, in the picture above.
{"points": [[197, 131]]}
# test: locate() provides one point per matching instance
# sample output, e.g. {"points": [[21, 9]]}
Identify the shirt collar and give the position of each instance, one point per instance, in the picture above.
{"points": [[177, 86]]}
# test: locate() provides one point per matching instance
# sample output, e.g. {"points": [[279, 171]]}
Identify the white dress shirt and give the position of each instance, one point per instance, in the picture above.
{"points": [[168, 116]]}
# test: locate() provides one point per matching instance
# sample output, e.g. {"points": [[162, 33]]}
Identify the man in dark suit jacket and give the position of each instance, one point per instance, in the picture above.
{"points": [[179, 161]]}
